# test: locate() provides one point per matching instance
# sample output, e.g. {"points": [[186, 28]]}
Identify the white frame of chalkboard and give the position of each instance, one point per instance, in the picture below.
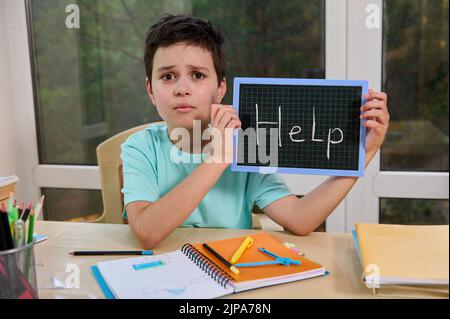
{"points": [[294, 170]]}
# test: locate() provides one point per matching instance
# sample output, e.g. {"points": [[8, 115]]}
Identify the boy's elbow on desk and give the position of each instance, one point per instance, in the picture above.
{"points": [[147, 242], [299, 230], [302, 232], [148, 245], [146, 239]]}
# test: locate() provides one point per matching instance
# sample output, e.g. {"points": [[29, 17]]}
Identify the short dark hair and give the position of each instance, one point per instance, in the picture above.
{"points": [[172, 29]]}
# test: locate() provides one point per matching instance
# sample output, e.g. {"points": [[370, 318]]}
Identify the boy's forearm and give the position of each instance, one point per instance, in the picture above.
{"points": [[313, 209], [163, 216]]}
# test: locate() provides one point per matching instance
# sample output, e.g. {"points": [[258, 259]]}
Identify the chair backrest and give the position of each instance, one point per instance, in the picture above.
{"points": [[111, 179]]}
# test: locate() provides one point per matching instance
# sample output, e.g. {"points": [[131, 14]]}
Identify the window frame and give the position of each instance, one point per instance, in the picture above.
{"points": [[345, 58]]}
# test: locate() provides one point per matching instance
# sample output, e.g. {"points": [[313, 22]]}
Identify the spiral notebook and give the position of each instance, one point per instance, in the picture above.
{"points": [[194, 273]]}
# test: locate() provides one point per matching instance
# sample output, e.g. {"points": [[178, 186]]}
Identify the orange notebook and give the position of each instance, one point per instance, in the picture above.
{"points": [[260, 276]]}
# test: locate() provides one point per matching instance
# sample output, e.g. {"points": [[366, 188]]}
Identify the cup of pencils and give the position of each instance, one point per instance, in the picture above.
{"points": [[17, 262]]}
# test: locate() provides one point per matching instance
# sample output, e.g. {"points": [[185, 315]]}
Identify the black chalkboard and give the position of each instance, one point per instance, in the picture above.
{"points": [[315, 125]]}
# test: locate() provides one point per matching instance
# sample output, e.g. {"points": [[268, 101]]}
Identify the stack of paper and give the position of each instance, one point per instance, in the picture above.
{"points": [[7, 185], [404, 260]]}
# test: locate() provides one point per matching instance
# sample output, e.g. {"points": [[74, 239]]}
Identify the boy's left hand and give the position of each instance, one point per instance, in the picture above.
{"points": [[376, 114]]}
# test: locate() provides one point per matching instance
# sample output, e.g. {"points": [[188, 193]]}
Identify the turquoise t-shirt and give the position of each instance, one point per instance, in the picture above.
{"points": [[149, 173]]}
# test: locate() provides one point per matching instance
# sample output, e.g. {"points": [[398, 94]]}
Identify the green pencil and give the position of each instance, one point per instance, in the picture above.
{"points": [[31, 227], [13, 216]]}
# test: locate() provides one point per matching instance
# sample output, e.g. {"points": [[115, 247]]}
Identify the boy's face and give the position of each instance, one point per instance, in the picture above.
{"points": [[184, 85]]}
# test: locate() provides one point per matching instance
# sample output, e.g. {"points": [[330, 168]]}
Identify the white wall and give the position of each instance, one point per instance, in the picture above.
{"points": [[18, 143], [7, 158]]}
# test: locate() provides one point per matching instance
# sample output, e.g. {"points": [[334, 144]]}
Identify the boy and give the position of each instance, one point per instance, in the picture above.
{"points": [[186, 82]]}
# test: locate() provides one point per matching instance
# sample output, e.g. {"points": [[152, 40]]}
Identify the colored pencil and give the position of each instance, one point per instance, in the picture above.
{"points": [[111, 253], [6, 230], [3, 241], [21, 209], [31, 227], [223, 260], [26, 213]]}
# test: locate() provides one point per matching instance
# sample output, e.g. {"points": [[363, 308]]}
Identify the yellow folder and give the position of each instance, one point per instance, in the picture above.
{"points": [[405, 255]]}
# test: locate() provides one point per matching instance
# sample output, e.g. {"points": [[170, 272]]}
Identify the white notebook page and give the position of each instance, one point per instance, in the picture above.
{"points": [[178, 278]]}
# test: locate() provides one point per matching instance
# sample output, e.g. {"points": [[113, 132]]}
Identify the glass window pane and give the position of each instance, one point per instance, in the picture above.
{"points": [[415, 76], [413, 211], [90, 82], [62, 204]]}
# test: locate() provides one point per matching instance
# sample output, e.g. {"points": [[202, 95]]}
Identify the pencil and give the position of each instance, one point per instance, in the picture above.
{"points": [[3, 241], [6, 230], [26, 212], [31, 227], [223, 260], [111, 253], [21, 209]]}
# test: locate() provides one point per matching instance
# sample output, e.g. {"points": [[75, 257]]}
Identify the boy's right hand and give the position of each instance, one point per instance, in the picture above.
{"points": [[223, 122]]}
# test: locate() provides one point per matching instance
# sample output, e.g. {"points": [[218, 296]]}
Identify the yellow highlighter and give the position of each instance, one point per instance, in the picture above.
{"points": [[248, 241]]}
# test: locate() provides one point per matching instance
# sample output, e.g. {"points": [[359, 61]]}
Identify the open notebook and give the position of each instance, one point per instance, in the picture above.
{"points": [[193, 272]]}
